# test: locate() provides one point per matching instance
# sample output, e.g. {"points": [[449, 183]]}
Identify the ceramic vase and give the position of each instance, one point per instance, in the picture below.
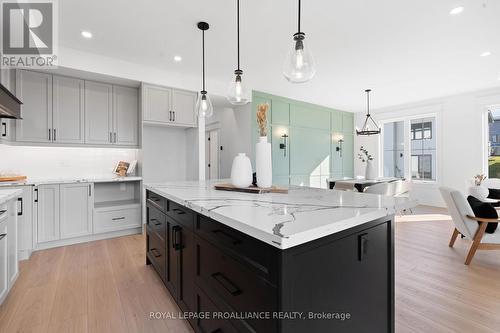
{"points": [[263, 163], [241, 171], [370, 170], [479, 192]]}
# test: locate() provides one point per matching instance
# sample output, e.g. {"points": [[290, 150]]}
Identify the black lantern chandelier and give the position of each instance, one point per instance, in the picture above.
{"points": [[370, 127]]}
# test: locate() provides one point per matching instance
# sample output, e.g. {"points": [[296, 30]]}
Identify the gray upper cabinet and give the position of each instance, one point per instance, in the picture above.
{"points": [[35, 91], [98, 113], [167, 106], [68, 110], [125, 116], [183, 105]]}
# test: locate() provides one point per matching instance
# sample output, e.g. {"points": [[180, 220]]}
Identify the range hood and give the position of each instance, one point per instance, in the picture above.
{"points": [[10, 106]]}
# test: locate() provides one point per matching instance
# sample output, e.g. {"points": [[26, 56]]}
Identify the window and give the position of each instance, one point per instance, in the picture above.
{"points": [[409, 148], [494, 143]]}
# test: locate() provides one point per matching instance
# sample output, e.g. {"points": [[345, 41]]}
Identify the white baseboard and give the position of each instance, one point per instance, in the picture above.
{"points": [[89, 238]]}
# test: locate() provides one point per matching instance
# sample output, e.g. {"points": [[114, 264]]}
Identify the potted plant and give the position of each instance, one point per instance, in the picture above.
{"points": [[367, 158]]}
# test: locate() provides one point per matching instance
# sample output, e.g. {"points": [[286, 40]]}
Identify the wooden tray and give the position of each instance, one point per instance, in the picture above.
{"points": [[12, 178], [250, 189]]}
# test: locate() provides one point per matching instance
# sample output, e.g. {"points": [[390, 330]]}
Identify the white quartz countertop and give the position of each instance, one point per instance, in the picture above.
{"points": [[9, 194], [282, 220], [70, 180]]}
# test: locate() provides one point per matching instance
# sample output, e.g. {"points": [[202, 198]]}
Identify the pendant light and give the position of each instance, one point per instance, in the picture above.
{"points": [[299, 64], [370, 127], [204, 106], [237, 93]]}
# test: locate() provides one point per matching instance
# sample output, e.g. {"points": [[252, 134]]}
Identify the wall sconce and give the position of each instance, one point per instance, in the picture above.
{"points": [[283, 144], [339, 147]]}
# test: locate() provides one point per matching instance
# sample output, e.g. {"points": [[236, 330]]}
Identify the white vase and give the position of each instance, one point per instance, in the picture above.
{"points": [[241, 171], [479, 192], [370, 170], [263, 163]]}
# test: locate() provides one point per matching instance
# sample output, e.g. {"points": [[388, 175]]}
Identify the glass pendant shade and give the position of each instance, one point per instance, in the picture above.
{"points": [[299, 64], [237, 94], [204, 107]]}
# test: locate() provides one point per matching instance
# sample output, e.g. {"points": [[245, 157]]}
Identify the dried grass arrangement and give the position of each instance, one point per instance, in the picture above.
{"points": [[262, 118]]}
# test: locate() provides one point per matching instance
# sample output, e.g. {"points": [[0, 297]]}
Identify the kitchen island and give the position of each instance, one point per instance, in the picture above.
{"points": [[311, 260]]}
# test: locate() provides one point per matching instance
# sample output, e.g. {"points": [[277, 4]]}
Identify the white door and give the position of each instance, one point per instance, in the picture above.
{"points": [[126, 115], [48, 213], [157, 102], [4, 280], [13, 267], [98, 113], [35, 91], [183, 107], [212, 154], [76, 210], [68, 110]]}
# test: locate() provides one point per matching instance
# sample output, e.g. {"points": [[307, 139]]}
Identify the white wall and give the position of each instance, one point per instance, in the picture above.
{"points": [[62, 162], [461, 144], [235, 125]]}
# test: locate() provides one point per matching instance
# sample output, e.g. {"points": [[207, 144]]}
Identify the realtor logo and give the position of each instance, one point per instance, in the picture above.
{"points": [[29, 34]]}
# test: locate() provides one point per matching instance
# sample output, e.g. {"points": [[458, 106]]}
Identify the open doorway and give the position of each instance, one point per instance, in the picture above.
{"points": [[212, 154]]}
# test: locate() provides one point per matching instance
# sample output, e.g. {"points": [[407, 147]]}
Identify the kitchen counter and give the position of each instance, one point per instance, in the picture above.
{"points": [[66, 180], [282, 220], [7, 195]]}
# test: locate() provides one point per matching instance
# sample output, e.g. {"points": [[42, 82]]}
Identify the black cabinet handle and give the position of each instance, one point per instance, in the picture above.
{"points": [[4, 125], [227, 284], [90, 190], [179, 211], [118, 218], [155, 252], [176, 233], [233, 240], [2, 212], [362, 246], [36, 192], [54, 134], [21, 212], [2, 236], [155, 221], [50, 131], [217, 331], [174, 115]]}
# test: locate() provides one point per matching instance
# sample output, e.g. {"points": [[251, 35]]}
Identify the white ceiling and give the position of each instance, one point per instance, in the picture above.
{"points": [[404, 50]]}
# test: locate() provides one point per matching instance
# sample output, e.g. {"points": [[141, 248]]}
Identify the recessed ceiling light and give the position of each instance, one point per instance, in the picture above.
{"points": [[86, 34], [486, 54], [456, 10], [177, 58]]}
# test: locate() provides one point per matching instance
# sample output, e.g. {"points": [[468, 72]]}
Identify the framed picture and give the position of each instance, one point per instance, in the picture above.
{"points": [[121, 168]]}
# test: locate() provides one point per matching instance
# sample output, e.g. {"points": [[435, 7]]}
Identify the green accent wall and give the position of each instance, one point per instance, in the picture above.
{"points": [[312, 131]]}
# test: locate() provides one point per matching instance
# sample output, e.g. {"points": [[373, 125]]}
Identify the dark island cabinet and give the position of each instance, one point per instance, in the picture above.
{"points": [[343, 282]]}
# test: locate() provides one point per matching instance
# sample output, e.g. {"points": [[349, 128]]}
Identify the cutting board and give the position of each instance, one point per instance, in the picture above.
{"points": [[12, 178], [250, 189]]}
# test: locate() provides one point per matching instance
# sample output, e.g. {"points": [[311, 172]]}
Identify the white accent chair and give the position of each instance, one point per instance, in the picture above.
{"points": [[466, 223]]}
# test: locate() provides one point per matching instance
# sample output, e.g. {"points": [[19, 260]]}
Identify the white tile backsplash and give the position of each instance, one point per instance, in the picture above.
{"points": [[62, 162]]}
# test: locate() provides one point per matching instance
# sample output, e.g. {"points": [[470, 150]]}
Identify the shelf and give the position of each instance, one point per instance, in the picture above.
{"points": [[119, 204]]}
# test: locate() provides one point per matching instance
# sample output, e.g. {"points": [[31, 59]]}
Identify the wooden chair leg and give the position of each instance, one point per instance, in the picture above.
{"points": [[476, 242], [453, 237]]}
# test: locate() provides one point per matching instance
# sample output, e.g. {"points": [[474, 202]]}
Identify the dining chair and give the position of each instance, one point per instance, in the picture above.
{"points": [[467, 224]]}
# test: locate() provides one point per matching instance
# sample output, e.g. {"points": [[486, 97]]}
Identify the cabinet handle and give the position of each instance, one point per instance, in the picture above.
{"points": [[155, 222], [217, 331], [175, 233], [90, 190], [2, 236], [118, 218], [50, 137], [173, 112], [179, 211], [21, 212], [233, 240], [4, 125], [2, 212], [55, 134], [170, 115], [110, 137], [227, 284], [155, 252], [114, 137], [362, 246], [36, 192]]}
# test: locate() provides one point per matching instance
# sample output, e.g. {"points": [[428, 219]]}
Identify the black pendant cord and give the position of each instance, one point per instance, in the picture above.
{"points": [[299, 17], [238, 31], [203, 57], [368, 101]]}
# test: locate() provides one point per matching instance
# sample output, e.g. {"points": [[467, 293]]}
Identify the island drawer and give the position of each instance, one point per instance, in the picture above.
{"points": [[156, 253], [156, 200], [262, 258], [181, 214], [156, 221], [213, 322], [240, 288]]}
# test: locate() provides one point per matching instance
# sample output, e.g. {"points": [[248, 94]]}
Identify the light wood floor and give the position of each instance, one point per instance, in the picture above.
{"points": [[104, 286]]}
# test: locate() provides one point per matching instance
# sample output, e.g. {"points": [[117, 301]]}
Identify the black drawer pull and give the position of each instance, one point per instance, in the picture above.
{"points": [[21, 212], [2, 236], [155, 252], [227, 284], [179, 211], [176, 244], [363, 246], [118, 218], [217, 331], [233, 240], [155, 221], [2, 212]]}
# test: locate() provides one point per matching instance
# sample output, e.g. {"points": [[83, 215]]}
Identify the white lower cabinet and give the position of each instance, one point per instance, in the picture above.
{"points": [[9, 266], [4, 280], [76, 210], [48, 213], [106, 220]]}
